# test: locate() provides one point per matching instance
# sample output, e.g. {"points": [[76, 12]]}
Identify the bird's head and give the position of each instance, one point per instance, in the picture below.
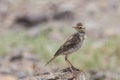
{"points": [[80, 28]]}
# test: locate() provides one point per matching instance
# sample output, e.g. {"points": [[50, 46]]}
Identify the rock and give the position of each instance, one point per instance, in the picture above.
{"points": [[64, 74]]}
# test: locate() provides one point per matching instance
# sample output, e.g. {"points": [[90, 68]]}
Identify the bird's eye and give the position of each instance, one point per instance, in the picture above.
{"points": [[80, 27]]}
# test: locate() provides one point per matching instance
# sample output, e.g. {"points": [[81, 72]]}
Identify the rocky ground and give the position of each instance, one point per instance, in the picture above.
{"points": [[101, 17], [97, 15], [29, 67]]}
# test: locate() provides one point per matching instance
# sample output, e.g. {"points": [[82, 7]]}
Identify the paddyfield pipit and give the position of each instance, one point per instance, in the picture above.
{"points": [[72, 44]]}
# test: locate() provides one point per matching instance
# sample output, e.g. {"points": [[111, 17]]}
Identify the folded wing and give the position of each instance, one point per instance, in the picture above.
{"points": [[71, 42]]}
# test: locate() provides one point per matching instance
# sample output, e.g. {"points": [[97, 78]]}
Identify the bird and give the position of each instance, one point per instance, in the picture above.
{"points": [[72, 44]]}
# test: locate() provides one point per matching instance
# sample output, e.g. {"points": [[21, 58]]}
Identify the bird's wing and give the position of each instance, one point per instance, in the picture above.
{"points": [[71, 42]]}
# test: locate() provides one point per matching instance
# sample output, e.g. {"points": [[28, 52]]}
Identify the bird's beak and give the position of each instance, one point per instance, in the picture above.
{"points": [[74, 27]]}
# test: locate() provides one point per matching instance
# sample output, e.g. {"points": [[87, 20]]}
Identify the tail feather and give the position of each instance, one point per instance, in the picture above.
{"points": [[50, 60]]}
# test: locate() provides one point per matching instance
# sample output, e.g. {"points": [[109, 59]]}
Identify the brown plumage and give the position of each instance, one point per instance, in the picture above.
{"points": [[72, 44]]}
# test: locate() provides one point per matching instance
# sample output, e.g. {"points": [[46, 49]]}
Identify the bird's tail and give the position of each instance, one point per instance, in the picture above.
{"points": [[50, 60]]}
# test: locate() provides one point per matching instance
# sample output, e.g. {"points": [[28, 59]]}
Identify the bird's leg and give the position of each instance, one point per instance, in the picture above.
{"points": [[69, 64]]}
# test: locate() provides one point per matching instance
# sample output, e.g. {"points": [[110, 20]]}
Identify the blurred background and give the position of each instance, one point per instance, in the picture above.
{"points": [[38, 28]]}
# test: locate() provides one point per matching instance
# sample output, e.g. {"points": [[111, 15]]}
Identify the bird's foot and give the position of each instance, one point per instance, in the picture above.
{"points": [[75, 69], [71, 69]]}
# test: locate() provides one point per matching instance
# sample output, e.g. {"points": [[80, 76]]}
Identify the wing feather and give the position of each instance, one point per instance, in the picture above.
{"points": [[71, 42]]}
